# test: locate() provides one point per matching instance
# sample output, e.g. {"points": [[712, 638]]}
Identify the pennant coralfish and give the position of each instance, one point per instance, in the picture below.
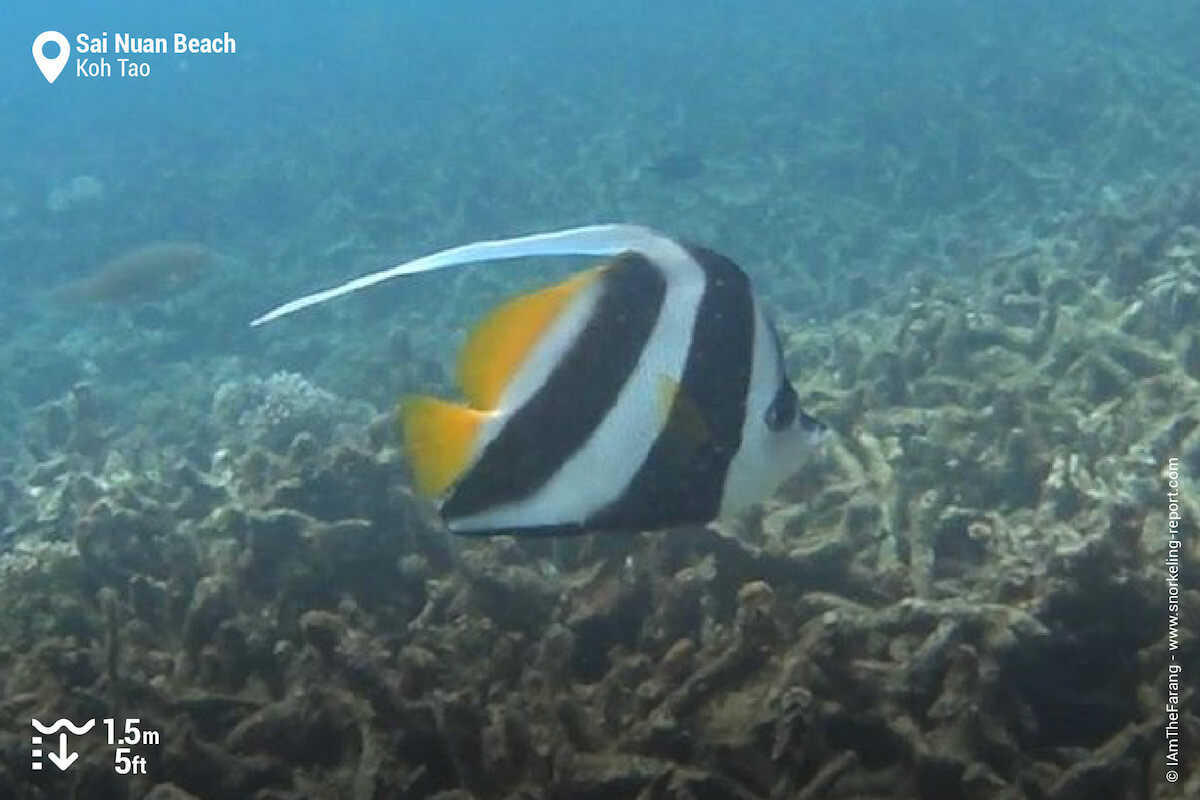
{"points": [[646, 393]]}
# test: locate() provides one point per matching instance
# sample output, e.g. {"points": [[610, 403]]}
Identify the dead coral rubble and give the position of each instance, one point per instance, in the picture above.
{"points": [[282, 655], [962, 600]]}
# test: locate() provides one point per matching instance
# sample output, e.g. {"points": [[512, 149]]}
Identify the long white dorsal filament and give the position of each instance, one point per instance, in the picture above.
{"points": [[592, 240]]}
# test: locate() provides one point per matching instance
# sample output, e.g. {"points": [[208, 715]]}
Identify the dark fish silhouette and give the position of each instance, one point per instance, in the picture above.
{"points": [[676, 167]]}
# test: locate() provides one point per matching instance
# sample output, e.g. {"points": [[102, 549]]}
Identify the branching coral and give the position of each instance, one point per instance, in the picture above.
{"points": [[272, 412]]}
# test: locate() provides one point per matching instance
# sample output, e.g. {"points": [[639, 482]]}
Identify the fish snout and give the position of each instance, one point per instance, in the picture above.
{"points": [[816, 431]]}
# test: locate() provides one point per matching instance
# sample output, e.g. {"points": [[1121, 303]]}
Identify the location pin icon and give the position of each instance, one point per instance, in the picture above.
{"points": [[51, 67]]}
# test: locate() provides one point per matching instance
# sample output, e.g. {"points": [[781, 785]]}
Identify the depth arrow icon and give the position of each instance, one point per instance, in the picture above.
{"points": [[62, 759]]}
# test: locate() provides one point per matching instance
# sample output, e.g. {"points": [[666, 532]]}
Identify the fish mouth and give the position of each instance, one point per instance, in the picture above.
{"points": [[810, 424], [817, 432]]}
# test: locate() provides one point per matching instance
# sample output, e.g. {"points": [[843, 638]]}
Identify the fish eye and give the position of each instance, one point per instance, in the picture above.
{"points": [[782, 411]]}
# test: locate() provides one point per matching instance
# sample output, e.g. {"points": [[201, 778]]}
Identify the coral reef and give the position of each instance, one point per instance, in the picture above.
{"points": [[981, 233], [963, 600], [82, 190], [273, 411]]}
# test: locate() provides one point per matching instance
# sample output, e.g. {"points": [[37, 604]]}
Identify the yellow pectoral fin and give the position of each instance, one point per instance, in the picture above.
{"points": [[668, 390], [439, 438], [680, 414], [500, 343]]}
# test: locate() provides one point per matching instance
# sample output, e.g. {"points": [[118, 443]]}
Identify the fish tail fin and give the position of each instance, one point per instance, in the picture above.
{"points": [[439, 438]]}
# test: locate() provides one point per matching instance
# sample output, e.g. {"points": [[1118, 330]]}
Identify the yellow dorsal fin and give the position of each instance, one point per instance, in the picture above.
{"points": [[439, 438], [499, 344]]}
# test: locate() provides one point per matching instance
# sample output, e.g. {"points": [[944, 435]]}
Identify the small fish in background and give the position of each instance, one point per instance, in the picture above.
{"points": [[141, 275], [646, 393], [675, 167]]}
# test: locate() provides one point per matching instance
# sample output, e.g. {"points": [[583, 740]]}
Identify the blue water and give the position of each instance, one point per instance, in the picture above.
{"points": [[864, 138]]}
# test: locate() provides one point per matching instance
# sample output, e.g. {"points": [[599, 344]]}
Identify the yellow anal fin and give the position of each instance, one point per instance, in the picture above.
{"points": [[439, 438], [501, 342]]}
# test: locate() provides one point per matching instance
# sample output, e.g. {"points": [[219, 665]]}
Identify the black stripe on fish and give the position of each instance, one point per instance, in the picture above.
{"points": [[682, 480], [561, 416]]}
